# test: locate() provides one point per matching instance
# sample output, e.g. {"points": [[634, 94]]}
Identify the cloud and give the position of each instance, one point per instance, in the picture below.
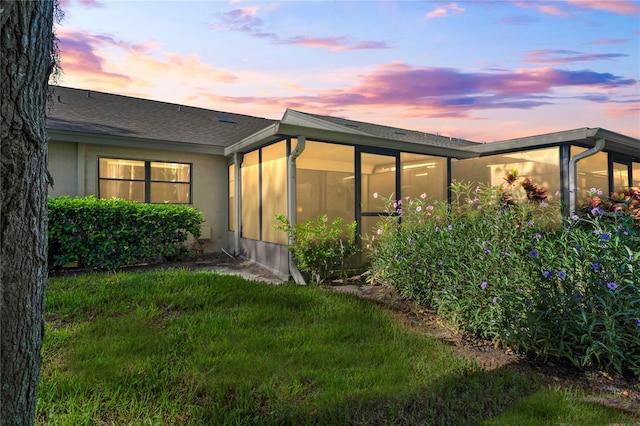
{"points": [[431, 92], [445, 11], [105, 63], [611, 41], [518, 20], [544, 7], [622, 7], [246, 20], [554, 57]]}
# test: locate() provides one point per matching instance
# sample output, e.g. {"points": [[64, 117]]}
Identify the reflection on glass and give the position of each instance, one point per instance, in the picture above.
{"points": [[274, 190], [164, 192], [542, 166], [170, 172], [592, 173], [378, 178], [127, 190], [121, 169], [325, 182], [250, 196], [620, 177], [636, 174], [232, 197], [423, 174]]}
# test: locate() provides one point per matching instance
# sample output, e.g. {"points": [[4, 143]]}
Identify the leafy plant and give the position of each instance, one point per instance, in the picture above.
{"points": [[320, 249], [111, 233], [500, 263]]}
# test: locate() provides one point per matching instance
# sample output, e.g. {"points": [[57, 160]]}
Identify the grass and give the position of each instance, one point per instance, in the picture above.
{"points": [[175, 347]]}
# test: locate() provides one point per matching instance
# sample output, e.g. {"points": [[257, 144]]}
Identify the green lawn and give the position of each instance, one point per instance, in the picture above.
{"points": [[177, 347]]}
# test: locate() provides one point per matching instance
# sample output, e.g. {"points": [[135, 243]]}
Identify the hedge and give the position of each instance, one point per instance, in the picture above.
{"points": [[112, 233]]}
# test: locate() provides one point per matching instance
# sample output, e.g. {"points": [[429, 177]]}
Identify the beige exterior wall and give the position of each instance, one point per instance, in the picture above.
{"points": [[74, 167]]}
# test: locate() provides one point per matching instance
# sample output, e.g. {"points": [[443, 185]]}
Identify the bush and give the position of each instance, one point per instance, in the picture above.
{"points": [[111, 233], [500, 263], [320, 249]]}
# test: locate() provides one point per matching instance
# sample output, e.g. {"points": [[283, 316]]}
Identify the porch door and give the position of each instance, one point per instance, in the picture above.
{"points": [[377, 172]]}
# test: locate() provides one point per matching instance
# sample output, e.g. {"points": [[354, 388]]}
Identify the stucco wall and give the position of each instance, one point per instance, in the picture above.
{"points": [[74, 169], [63, 166]]}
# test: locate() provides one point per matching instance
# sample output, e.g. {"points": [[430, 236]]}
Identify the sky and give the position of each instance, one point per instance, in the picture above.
{"points": [[478, 70]]}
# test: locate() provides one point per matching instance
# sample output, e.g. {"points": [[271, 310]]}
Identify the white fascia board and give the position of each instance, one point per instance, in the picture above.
{"points": [[254, 141], [296, 118], [95, 139], [533, 141]]}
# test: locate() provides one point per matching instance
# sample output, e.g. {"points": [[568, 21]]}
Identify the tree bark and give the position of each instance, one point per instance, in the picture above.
{"points": [[27, 56]]}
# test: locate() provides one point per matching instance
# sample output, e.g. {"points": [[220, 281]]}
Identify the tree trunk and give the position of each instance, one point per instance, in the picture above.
{"points": [[26, 61]]}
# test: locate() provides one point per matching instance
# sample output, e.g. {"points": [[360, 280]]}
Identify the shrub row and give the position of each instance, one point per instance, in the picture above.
{"points": [[112, 233], [505, 267]]}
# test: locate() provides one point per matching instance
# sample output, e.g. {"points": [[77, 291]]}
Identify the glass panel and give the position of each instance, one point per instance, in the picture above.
{"points": [[170, 172], [378, 177], [164, 192], [250, 196], [232, 197], [274, 190], [325, 175], [635, 174], [121, 169], [592, 173], [127, 190], [540, 165], [620, 177], [423, 174]]}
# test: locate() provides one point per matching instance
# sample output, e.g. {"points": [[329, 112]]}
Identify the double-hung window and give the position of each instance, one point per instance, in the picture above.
{"points": [[144, 181]]}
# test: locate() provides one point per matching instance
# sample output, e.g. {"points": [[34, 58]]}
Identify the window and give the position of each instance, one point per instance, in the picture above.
{"points": [[144, 181]]}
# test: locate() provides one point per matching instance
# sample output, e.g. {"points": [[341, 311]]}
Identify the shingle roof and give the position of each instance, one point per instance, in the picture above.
{"points": [[395, 133], [116, 115]]}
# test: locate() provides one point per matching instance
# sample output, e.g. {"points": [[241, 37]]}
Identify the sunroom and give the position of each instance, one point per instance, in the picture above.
{"points": [[309, 165]]}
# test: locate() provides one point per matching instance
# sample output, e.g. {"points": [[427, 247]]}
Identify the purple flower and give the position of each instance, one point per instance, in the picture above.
{"points": [[533, 253], [574, 217], [449, 227], [562, 275], [399, 211], [577, 297], [596, 211], [606, 237], [483, 285], [638, 323], [411, 241], [612, 286], [505, 253], [487, 250], [579, 247], [547, 274], [495, 300], [596, 267], [538, 236]]}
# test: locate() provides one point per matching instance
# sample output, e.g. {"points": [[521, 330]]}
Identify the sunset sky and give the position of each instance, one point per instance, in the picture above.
{"points": [[479, 70]]}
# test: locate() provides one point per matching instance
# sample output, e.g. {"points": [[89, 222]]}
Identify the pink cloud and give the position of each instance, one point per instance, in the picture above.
{"points": [[430, 92], [554, 57], [246, 20], [622, 7], [546, 8], [444, 11], [79, 56], [91, 4], [338, 43], [611, 41]]}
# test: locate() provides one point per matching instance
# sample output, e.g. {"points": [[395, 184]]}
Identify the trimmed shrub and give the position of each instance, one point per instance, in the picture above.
{"points": [[112, 233]]}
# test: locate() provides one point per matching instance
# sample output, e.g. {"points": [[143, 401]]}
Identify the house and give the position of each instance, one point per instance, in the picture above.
{"points": [[241, 170]]}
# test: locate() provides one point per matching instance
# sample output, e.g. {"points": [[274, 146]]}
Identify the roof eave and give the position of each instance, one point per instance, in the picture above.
{"points": [[282, 130], [130, 142]]}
